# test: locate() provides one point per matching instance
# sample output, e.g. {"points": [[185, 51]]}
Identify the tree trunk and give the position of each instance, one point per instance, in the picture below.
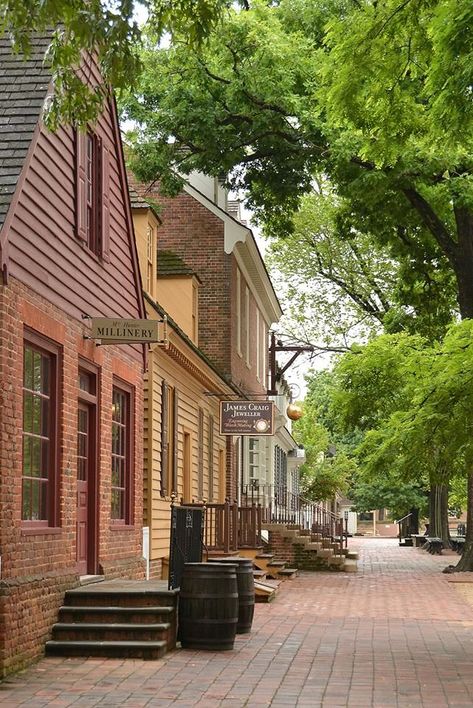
{"points": [[466, 561], [438, 513]]}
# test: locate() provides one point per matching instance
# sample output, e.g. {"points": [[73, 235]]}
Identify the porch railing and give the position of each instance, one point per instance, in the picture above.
{"points": [[281, 505], [230, 526]]}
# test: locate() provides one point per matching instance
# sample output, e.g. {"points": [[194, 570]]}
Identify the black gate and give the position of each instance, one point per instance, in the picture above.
{"points": [[187, 528]]}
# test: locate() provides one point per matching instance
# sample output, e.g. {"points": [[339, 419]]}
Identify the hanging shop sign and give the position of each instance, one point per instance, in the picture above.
{"points": [[246, 418], [122, 331]]}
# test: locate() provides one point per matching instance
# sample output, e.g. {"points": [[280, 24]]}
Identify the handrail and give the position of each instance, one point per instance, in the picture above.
{"points": [[404, 517]]}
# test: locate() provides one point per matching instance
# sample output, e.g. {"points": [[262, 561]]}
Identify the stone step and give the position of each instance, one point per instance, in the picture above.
{"points": [[144, 615], [113, 631], [351, 566], [325, 553], [277, 564], [352, 555], [337, 561], [259, 574], [128, 649], [287, 573], [313, 546]]}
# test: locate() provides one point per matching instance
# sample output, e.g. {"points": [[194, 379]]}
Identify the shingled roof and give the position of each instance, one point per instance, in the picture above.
{"points": [[23, 88], [169, 263]]}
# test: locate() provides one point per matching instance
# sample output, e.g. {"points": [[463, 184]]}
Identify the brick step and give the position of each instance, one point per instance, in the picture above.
{"points": [[128, 649], [103, 595], [113, 631], [143, 615]]}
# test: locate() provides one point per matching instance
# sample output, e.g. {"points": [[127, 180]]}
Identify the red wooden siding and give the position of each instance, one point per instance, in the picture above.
{"points": [[44, 249]]}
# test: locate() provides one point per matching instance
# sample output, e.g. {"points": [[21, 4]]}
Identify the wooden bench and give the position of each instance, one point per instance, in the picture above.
{"points": [[419, 539], [433, 545], [458, 543]]}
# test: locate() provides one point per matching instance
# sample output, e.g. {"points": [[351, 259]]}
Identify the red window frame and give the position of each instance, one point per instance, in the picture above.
{"points": [[40, 446], [122, 427]]}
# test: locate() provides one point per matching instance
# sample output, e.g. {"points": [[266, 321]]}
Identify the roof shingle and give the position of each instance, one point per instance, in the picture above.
{"points": [[23, 88]]}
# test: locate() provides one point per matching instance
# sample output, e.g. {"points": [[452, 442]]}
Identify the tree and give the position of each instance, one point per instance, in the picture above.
{"points": [[274, 99], [322, 475], [378, 389], [340, 286]]}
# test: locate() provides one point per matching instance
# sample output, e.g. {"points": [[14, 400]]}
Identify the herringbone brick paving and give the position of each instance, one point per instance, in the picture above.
{"points": [[396, 634]]}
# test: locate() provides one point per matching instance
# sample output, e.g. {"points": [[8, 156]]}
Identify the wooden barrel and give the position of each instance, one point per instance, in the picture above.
{"points": [[246, 590], [208, 606]]}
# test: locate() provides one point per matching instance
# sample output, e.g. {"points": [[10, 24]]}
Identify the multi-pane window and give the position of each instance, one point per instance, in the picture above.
{"points": [[39, 434], [238, 311], [254, 461], [121, 431], [247, 326]]}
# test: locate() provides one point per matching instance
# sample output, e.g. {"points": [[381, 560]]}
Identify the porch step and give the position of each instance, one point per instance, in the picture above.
{"points": [[143, 615], [352, 555], [287, 573], [350, 566], [276, 564], [259, 574], [128, 649]]}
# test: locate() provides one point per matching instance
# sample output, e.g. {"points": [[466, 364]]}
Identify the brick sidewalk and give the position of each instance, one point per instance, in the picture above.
{"points": [[395, 634]]}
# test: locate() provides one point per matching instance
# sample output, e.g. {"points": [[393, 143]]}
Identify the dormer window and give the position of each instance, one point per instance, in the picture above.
{"points": [[92, 193]]}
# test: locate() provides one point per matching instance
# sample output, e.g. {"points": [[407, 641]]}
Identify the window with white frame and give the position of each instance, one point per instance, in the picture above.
{"points": [[247, 326], [238, 312]]}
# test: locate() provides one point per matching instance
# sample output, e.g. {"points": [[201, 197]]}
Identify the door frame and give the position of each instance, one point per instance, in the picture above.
{"points": [[91, 400]]}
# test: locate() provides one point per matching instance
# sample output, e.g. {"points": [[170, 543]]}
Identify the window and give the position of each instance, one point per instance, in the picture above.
{"points": [[200, 456], [247, 326], [211, 457], [258, 356], [254, 461], [39, 460], [92, 193], [150, 250], [264, 352], [195, 304], [238, 311], [121, 456], [169, 441]]}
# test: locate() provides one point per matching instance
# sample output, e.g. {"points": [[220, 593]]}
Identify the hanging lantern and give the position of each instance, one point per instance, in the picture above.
{"points": [[294, 411]]}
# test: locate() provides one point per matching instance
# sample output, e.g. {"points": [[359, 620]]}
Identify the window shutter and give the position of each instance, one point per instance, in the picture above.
{"points": [[81, 181], [164, 438], [175, 449], [104, 211]]}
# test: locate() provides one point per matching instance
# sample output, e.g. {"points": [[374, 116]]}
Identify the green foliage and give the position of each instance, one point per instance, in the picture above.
{"points": [[322, 475], [388, 492]]}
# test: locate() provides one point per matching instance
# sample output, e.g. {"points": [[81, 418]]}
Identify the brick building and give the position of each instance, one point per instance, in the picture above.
{"points": [[70, 412], [236, 301]]}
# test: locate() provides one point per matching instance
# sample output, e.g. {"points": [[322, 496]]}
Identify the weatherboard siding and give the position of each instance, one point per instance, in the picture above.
{"points": [[44, 252]]}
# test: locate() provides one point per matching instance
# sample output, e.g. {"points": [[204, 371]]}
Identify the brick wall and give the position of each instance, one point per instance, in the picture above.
{"points": [[38, 565]]}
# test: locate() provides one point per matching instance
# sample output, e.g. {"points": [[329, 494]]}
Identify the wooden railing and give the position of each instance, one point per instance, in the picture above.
{"points": [[280, 505], [230, 526]]}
